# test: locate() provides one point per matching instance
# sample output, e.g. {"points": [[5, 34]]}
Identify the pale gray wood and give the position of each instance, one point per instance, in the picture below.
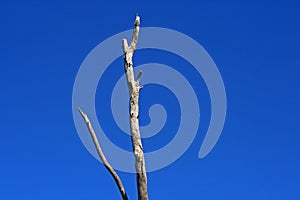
{"points": [[102, 157], [134, 92]]}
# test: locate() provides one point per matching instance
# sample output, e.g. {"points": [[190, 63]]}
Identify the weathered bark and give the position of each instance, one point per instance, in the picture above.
{"points": [[134, 91], [102, 157]]}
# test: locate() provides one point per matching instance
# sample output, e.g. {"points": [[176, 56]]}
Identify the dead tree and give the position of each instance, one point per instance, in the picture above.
{"points": [[134, 91]]}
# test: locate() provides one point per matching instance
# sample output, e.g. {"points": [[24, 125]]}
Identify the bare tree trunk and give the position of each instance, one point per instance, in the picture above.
{"points": [[134, 91]]}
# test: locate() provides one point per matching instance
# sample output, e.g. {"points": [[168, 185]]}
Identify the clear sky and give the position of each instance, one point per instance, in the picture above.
{"points": [[255, 45]]}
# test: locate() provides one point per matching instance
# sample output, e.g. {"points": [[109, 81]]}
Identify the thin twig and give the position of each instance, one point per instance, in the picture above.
{"points": [[102, 157]]}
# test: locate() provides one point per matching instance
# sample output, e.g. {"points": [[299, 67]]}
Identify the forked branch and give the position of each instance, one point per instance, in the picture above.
{"points": [[134, 91]]}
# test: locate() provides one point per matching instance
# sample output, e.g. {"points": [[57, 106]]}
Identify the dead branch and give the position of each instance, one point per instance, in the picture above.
{"points": [[102, 157], [134, 90]]}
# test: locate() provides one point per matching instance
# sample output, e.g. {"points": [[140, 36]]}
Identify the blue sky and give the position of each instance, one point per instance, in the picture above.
{"points": [[255, 45]]}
